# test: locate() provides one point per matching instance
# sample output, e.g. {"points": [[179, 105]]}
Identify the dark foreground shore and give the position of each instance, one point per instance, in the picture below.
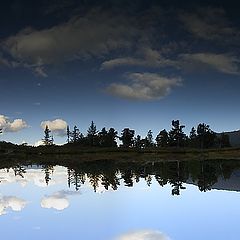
{"points": [[61, 155]]}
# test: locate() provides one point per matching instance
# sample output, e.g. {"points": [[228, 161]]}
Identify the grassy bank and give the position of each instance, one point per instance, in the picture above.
{"points": [[61, 154]]}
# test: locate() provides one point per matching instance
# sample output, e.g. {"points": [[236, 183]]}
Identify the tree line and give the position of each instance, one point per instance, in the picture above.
{"points": [[200, 137]]}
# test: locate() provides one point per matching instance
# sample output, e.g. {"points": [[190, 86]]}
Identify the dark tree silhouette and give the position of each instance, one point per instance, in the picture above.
{"points": [[138, 142], [162, 139], [48, 170], [92, 135], [19, 171], [205, 136], [107, 138], [177, 137], [127, 137], [111, 138], [193, 138], [47, 140], [68, 134], [102, 136], [149, 140], [75, 135]]}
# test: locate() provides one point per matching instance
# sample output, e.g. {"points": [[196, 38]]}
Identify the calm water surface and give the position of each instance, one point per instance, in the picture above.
{"points": [[127, 201]]}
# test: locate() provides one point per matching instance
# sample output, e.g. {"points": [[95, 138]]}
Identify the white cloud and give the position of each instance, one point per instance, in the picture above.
{"points": [[57, 126], [221, 62], [11, 126], [144, 235], [144, 86], [16, 204], [58, 200]]}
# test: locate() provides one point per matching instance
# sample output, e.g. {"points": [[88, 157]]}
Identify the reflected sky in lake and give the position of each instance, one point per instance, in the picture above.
{"points": [[160, 201]]}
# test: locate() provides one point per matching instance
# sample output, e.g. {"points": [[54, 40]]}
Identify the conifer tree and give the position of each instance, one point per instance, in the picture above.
{"points": [[75, 135], [205, 136], [149, 139], [68, 134], [47, 140], [138, 142], [176, 135], [127, 137], [162, 139], [111, 137], [92, 134]]}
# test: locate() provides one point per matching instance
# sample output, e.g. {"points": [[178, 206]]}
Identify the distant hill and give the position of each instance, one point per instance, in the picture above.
{"points": [[231, 184], [234, 138]]}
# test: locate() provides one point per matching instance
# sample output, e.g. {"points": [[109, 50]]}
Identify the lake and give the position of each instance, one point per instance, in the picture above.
{"points": [[110, 200]]}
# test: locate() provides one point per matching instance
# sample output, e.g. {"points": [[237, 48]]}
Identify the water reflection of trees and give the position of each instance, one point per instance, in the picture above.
{"points": [[110, 174]]}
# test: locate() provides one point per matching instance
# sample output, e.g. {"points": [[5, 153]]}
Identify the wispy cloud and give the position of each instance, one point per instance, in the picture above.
{"points": [[224, 63], [144, 235], [148, 57], [144, 86], [210, 24], [79, 38]]}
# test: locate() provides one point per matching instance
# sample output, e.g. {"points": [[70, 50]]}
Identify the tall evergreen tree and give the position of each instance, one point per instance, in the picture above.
{"points": [[92, 135], [68, 134], [127, 137], [177, 137], [47, 140], [205, 136], [162, 139], [149, 139], [138, 142], [102, 135], [111, 137], [192, 141], [75, 135]]}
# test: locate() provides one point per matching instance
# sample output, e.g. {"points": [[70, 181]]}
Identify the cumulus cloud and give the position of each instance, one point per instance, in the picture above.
{"points": [[12, 202], [11, 126], [144, 86], [221, 62], [57, 126], [58, 200], [144, 235]]}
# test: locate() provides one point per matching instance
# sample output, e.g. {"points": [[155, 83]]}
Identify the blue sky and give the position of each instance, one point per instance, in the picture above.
{"points": [[137, 65]]}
